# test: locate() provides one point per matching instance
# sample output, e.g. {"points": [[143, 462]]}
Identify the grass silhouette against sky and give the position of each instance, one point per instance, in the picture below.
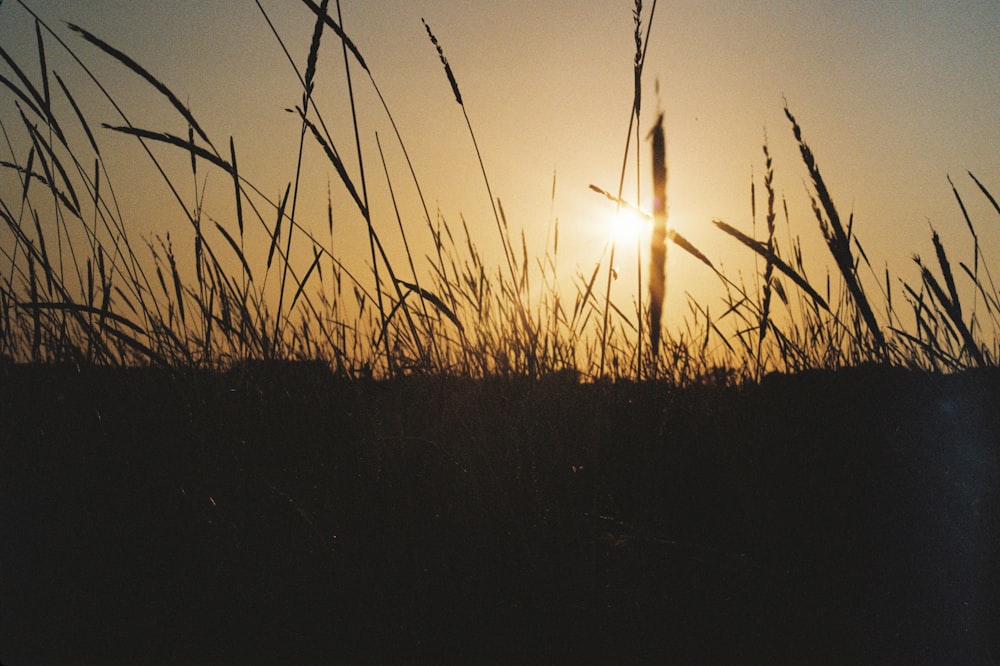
{"points": [[893, 98]]}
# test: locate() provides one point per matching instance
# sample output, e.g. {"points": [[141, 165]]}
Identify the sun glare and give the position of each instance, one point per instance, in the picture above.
{"points": [[629, 224]]}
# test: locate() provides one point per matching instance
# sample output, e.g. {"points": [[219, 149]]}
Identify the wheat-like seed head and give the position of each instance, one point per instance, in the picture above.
{"points": [[444, 61], [658, 242]]}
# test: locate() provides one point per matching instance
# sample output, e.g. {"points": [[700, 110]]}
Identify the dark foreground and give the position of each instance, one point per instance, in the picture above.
{"points": [[287, 516]]}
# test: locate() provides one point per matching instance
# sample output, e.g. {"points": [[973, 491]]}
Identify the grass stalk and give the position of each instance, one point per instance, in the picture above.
{"points": [[837, 240], [97, 300], [658, 241]]}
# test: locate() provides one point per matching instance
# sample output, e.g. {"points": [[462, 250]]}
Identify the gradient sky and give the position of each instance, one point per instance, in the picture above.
{"points": [[892, 97]]}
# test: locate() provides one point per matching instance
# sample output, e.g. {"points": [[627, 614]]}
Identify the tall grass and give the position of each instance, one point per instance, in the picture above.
{"points": [[658, 243], [76, 286]]}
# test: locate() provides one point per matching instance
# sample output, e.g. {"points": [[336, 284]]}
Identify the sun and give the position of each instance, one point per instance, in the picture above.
{"points": [[628, 225]]}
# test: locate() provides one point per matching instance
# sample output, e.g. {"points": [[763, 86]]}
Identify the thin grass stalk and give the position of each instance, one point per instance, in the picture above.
{"points": [[36, 328], [142, 72], [508, 253], [990, 300], [45, 148], [307, 89], [238, 194], [372, 238], [769, 265], [349, 45], [413, 271], [42, 148], [968, 222], [25, 99], [837, 240], [137, 276], [633, 120], [41, 61], [949, 279], [119, 228], [978, 249], [637, 98], [35, 100], [176, 279], [54, 289], [779, 263], [305, 278], [932, 319], [950, 302]]}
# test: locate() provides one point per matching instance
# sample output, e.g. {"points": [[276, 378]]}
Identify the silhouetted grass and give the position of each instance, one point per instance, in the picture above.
{"points": [[445, 460], [107, 300]]}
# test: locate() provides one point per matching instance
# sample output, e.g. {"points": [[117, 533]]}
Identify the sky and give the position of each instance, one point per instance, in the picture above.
{"points": [[892, 97]]}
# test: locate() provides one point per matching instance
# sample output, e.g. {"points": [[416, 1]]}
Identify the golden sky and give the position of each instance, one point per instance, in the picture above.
{"points": [[892, 96]]}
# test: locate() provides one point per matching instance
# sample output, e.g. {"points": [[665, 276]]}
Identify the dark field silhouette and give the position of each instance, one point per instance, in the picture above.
{"points": [[438, 485], [279, 513]]}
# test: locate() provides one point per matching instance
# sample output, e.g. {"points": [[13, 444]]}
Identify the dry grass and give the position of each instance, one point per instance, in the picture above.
{"points": [[109, 300]]}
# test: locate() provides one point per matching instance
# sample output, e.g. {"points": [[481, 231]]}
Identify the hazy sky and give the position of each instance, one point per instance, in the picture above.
{"points": [[892, 97]]}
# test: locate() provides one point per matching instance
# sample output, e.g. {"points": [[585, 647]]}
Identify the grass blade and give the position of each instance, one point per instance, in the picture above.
{"points": [[312, 267], [838, 240], [236, 248], [36, 101], [762, 250], [989, 196], [658, 241], [152, 80], [277, 225], [433, 300], [314, 53], [166, 137], [331, 154], [79, 115], [330, 23], [236, 185]]}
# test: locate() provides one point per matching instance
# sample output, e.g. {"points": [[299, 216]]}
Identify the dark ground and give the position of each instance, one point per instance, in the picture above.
{"points": [[285, 515]]}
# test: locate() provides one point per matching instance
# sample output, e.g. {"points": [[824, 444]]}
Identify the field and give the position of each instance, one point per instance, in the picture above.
{"points": [[224, 446], [284, 515]]}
